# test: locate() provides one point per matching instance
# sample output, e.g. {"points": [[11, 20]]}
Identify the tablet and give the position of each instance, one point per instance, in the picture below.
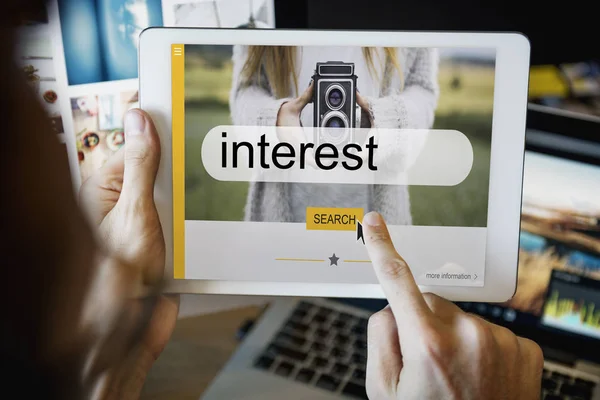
{"points": [[276, 143]]}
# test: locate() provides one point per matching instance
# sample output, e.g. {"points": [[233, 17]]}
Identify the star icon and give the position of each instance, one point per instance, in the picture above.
{"points": [[333, 259]]}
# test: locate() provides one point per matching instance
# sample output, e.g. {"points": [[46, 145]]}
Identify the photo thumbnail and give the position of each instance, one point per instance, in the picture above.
{"points": [[36, 59], [219, 13], [100, 37], [98, 123]]}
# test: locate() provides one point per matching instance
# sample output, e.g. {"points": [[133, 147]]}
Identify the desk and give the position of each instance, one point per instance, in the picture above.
{"points": [[199, 348]]}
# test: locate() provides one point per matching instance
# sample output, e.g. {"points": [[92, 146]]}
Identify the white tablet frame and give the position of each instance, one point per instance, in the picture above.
{"points": [[508, 143]]}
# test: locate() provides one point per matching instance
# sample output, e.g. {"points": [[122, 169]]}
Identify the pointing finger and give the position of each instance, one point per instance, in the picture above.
{"points": [[394, 275]]}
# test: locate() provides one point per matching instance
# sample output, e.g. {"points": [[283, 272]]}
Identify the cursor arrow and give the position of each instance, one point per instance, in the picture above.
{"points": [[359, 232]]}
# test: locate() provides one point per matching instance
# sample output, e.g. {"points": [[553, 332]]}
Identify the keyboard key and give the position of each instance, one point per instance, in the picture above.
{"points": [[305, 375], [576, 390], [359, 359], [296, 326], [264, 362], [325, 311], [354, 390], [346, 317], [339, 324], [299, 314], [321, 333], [560, 376], [320, 362], [285, 337], [305, 306], [328, 382], [284, 368], [319, 318], [287, 352], [318, 347], [339, 352], [339, 369], [549, 384], [584, 382], [341, 338], [359, 329], [360, 344], [359, 374]]}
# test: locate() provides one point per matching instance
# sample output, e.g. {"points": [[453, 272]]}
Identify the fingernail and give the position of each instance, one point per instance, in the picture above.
{"points": [[372, 219], [134, 123], [311, 81]]}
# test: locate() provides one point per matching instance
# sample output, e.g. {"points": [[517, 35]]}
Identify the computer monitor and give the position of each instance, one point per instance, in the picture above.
{"points": [[558, 291]]}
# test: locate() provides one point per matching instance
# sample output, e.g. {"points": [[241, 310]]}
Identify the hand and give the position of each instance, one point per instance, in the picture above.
{"points": [[424, 347], [289, 116], [289, 112], [119, 198], [366, 109]]}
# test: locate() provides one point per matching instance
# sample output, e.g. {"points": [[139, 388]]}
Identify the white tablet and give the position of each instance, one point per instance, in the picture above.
{"points": [[277, 143]]}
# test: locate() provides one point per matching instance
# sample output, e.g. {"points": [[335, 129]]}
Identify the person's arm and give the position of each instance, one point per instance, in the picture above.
{"points": [[251, 103]]}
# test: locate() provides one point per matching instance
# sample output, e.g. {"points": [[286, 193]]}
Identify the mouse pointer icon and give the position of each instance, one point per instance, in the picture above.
{"points": [[359, 232]]}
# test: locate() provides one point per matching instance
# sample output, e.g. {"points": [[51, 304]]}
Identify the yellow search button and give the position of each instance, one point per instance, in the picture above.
{"points": [[333, 219]]}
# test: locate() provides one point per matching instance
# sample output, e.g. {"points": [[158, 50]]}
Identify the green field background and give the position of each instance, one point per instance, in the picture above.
{"points": [[465, 104]]}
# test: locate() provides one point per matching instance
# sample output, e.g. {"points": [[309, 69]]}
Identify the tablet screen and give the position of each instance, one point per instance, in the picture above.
{"points": [[279, 152]]}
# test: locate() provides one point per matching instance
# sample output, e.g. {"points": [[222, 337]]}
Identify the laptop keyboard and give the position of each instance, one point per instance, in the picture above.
{"points": [[562, 386], [326, 348], [321, 347]]}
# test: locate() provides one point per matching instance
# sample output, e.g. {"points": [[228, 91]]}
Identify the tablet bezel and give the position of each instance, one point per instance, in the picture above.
{"points": [[508, 143]]}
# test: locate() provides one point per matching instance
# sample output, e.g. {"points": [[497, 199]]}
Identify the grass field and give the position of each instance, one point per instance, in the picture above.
{"points": [[467, 108]]}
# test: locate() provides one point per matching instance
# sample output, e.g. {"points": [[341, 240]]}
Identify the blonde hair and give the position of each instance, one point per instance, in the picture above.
{"points": [[279, 63]]}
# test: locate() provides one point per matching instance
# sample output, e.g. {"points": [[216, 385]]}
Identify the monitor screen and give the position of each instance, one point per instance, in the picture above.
{"points": [[559, 256]]}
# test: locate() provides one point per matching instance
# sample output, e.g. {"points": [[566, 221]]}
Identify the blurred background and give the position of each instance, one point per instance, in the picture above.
{"points": [[466, 79], [79, 57]]}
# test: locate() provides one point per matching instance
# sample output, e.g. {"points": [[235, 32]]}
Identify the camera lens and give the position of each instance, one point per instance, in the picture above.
{"points": [[335, 122], [335, 96]]}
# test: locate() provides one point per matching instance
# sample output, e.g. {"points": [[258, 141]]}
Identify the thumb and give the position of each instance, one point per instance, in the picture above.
{"points": [[142, 155], [306, 96]]}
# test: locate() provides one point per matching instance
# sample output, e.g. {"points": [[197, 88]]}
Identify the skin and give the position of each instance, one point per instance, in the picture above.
{"points": [[424, 347], [83, 316]]}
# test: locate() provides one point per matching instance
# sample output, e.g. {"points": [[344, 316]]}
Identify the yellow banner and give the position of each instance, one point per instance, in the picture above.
{"points": [[178, 143]]}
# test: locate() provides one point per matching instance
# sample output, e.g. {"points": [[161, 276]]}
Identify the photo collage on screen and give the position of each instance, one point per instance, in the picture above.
{"points": [[80, 58]]}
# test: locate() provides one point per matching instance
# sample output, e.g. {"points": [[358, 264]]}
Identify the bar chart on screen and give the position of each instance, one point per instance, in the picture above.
{"points": [[572, 305]]}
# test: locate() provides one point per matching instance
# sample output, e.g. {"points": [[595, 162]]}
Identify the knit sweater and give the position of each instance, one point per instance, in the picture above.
{"points": [[394, 102]]}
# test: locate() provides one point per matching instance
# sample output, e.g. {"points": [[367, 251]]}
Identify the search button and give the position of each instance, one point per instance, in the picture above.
{"points": [[333, 219]]}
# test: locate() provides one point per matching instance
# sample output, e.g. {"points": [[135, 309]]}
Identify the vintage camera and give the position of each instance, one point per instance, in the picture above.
{"points": [[334, 102]]}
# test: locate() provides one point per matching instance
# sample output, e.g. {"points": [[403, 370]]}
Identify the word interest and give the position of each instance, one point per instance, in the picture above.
{"points": [[283, 155]]}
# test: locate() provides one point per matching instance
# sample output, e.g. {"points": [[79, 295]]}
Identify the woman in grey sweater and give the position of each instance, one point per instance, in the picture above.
{"points": [[397, 88]]}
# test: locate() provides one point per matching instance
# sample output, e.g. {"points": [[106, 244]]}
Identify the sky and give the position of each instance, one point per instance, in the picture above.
{"points": [[556, 182]]}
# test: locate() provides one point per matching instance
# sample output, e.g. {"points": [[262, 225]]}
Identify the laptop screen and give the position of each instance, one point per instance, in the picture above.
{"points": [[559, 260], [559, 256]]}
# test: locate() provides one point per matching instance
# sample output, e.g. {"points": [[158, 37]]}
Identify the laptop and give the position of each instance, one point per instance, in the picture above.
{"points": [[313, 348]]}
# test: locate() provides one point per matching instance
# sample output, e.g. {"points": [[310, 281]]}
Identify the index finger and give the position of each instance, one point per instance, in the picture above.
{"points": [[394, 275]]}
